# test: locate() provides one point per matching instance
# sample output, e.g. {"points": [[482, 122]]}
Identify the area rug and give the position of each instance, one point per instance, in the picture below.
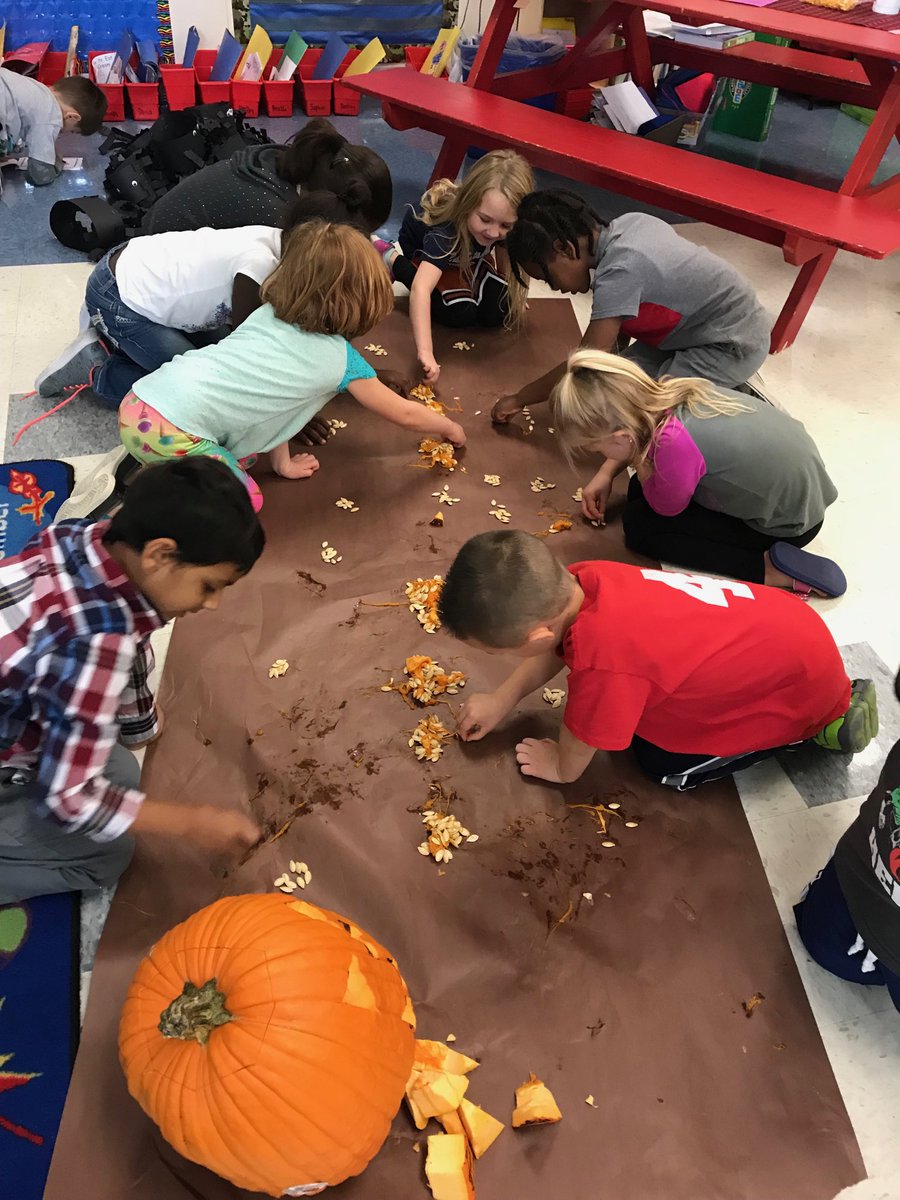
{"points": [[39, 981], [646, 969], [31, 494]]}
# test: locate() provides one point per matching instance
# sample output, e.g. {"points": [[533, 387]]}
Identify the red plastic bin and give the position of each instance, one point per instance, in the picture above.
{"points": [[246, 95], [53, 67], [415, 56], [316, 92], [575, 103], [278, 93], [346, 99], [181, 86], [114, 92], [210, 93], [144, 100]]}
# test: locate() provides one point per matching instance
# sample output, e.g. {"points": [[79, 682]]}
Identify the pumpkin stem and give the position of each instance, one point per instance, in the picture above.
{"points": [[195, 1013]]}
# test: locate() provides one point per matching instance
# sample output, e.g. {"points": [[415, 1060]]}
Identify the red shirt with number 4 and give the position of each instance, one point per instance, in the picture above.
{"points": [[696, 665]]}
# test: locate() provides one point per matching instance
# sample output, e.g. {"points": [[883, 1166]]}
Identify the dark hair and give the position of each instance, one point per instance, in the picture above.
{"points": [[85, 97], [322, 159], [197, 502], [501, 586], [544, 221], [321, 206]]}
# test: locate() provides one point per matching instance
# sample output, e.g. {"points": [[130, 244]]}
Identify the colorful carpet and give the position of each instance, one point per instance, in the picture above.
{"points": [[39, 977], [30, 497]]}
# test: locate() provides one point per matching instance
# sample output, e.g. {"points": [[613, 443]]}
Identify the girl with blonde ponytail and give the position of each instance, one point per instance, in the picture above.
{"points": [[451, 255], [724, 482]]}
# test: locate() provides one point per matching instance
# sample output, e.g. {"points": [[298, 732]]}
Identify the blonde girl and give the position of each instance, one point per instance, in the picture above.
{"points": [[250, 393], [451, 257], [723, 482]]}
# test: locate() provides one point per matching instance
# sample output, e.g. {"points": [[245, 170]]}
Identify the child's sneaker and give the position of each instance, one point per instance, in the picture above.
{"points": [[102, 489], [852, 732], [387, 250], [74, 365]]}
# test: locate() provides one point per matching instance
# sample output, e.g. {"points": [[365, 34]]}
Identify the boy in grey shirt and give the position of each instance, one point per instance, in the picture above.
{"points": [[32, 116], [690, 313]]}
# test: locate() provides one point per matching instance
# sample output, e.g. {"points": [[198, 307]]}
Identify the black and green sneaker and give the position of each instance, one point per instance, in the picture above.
{"points": [[852, 732]]}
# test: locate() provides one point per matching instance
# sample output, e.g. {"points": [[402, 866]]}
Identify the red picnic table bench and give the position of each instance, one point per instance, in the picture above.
{"points": [[808, 222]]}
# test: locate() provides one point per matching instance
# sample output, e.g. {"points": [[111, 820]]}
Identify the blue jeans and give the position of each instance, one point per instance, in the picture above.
{"points": [[137, 345]]}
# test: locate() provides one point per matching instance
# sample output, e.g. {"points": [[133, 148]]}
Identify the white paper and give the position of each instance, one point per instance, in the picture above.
{"points": [[286, 68], [253, 68], [103, 65], [627, 107]]}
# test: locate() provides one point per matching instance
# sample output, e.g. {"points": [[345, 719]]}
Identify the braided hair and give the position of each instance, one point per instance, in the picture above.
{"points": [[546, 220]]}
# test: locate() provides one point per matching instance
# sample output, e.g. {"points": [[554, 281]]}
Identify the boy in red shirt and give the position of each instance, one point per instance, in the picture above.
{"points": [[699, 676]]}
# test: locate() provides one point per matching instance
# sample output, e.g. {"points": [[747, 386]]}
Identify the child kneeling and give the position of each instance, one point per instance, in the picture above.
{"points": [[251, 392], [699, 676]]}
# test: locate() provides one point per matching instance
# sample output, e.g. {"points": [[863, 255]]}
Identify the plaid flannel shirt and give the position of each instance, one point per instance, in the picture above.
{"points": [[74, 664]]}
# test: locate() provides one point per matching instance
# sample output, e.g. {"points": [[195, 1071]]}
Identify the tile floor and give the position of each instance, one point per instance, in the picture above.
{"points": [[840, 379]]}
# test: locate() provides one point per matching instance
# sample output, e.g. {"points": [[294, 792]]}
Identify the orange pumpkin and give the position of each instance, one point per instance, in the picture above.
{"points": [[270, 1041]]}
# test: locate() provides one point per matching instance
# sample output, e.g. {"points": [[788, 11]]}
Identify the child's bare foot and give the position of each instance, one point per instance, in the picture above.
{"points": [[806, 574], [300, 466]]}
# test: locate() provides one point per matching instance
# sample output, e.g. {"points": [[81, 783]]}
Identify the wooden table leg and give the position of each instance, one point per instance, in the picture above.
{"points": [[878, 136], [493, 43], [809, 279], [637, 48], [450, 159]]}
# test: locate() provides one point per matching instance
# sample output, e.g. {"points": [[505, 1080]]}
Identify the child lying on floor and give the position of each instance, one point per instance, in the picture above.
{"points": [[699, 676], [251, 392], [849, 918], [690, 313], [451, 256], [79, 605], [32, 116], [725, 483]]}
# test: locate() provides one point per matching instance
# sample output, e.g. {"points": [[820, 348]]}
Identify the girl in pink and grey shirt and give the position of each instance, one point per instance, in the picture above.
{"points": [[724, 482]]}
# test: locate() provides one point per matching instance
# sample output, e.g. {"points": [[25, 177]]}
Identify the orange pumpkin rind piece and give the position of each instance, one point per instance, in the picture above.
{"points": [[448, 1167], [481, 1129], [441, 1057], [534, 1105], [452, 1122], [436, 1092]]}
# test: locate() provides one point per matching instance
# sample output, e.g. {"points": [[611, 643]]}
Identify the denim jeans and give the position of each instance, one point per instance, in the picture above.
{"points": [[137, 345]]}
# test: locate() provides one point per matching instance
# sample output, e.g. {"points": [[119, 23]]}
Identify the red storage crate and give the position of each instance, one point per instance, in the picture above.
{"points": [[144, 100], [114, 92], [316, 92], [210, 93], [246, 95], [53, 67], [346, 99], [278, 93], [415, 56], [180, 84]]}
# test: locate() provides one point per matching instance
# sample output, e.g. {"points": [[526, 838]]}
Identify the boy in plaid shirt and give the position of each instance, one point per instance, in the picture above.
{"points": [[77, 608]]}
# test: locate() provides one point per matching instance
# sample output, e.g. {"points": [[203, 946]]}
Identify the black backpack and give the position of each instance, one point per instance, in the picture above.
{"points": [[144, 166]]}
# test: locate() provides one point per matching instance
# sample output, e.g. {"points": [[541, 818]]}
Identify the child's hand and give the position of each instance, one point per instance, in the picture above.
{"points": [[479, 715], [316, 433], [595, 496], [298, 466], [396, 381], [505, 409], [431, 369], [455, 433], [539, 758], [221, 832]]}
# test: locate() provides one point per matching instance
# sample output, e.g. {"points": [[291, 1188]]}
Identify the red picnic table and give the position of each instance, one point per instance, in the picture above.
{"points": [[844, 56]]}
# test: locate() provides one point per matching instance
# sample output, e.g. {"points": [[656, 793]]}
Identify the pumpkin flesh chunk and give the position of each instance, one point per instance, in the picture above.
{"points": [[448, 1167], [534, 1104], [479, 1126]]}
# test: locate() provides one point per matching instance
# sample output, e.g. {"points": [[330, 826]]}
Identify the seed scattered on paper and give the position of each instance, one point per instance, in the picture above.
{"points": [[614, 806], [427, 680], [590, 1100], [550, 429], [423, 596], [334, 424], [578, 495], [377, 350], [463, 345], [444, 497], [446, 832], [278, 668], [434, 453], [286, 884], [589, 896], [350, 505], [422, 391], [478, 412], [492, 480], [330, 555], [553, 696], [529, 419], [541, 485], [428, 739], [501, 512], [451, 1037]]}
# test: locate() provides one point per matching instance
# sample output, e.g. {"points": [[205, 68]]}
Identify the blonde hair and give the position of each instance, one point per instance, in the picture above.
{"points": [[330, 279], [601, 393], [447, 202]]}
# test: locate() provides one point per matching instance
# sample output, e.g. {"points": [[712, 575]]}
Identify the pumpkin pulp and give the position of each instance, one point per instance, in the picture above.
{"points": [[195, 1013]]}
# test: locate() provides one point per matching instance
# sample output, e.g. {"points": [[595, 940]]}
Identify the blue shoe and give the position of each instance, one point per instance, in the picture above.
{"points": [[74, 365]]}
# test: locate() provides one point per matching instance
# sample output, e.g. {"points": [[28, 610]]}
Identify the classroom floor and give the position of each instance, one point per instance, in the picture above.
{"points": [[840, 379]]}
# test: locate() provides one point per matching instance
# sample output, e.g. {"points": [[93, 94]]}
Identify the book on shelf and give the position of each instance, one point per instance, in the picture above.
{"points": [[723, 41]]}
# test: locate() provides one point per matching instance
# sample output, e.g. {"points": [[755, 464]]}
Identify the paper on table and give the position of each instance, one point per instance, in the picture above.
{"points": [[370, 56], [627, 107]]}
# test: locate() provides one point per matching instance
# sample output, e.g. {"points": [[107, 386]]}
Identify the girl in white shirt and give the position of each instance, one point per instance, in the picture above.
{"points": [[251, 392], [160, 296]]}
